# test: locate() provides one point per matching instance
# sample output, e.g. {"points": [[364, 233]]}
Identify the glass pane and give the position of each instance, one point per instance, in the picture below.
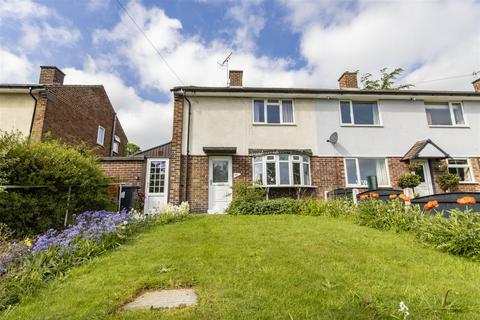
{"points": [[458, 161], [457, 113], [271, 173], [345, 111], [287, 111], [306, 174], [305, 159], [351, 168], [365, 112], [283, 157], [220, 170], [258, 111], [373, 167], [273, 113], [157, 177], [421, 173], [284, 173], [463, 173], [438, 114], [296, 173], [258, 173]]}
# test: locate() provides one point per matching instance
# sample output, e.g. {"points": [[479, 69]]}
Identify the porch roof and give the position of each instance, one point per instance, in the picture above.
{"points": [[425, 149]]}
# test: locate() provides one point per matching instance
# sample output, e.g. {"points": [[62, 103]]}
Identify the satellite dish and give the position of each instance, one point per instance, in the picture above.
{"points": [[333, 138]]}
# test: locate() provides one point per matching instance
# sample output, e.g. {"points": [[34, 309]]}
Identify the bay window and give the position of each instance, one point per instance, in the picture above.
{"points": [[358, 169], [444, 114], [460, 167], [359, 113], [281, 170], [272, 111]]}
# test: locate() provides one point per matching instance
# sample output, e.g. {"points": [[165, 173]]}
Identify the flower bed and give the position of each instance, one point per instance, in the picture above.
{"points": [[449, 201], [28, 264]]}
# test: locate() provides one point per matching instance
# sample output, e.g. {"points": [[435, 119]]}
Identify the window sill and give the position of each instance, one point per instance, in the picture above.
{"points": [[288, 186], [365, 186], [447, 126], [363, 125], [274, 124], [468, 182]]}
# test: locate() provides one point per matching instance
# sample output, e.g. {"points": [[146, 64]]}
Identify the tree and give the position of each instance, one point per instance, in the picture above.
{"points": [[132, 148], [386, 81]]}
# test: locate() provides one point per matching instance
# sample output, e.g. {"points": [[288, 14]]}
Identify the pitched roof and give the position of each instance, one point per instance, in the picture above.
{"points": [[415, 151]]}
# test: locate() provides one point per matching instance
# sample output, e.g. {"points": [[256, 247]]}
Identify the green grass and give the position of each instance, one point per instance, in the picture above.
{"points": [[267, 267]]}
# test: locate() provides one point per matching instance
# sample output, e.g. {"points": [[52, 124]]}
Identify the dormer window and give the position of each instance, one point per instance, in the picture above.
{"points": [[269, 111], [444, 113]]}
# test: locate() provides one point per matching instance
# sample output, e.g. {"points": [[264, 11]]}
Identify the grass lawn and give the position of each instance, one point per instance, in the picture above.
{"points": [[267, 267]]}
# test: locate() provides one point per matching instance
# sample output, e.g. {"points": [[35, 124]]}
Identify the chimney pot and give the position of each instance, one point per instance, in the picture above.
{"points": [[51, 75], [476, 85], [348, 80], [235, 78]]}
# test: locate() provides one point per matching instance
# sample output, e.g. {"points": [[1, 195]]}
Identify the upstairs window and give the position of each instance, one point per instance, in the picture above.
{"points": [[273, 111], [101, 135], [116, 144], [282, 170], [460, 167], [359, 113], [444, 114]]}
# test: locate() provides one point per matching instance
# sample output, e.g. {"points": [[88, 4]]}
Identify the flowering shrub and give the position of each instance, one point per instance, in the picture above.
{"points": [[26, 265], [467, 200], [431, 205], [374, 195], [364, 197], [392, 197]]}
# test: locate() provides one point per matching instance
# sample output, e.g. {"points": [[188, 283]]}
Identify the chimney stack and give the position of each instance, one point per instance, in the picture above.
{"points": [[476, 85], [348, 80], [51, 75], [235, 78]]}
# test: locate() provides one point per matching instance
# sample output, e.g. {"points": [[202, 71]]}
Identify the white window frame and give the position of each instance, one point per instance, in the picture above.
{"points": [[357, 167], [452, 115], [352, 124], [276, 160], [468, 165], [101, 142], [280, 102]]}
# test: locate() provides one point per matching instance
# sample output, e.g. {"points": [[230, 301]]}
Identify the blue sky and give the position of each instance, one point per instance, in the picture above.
{"points": [[276, 43]]}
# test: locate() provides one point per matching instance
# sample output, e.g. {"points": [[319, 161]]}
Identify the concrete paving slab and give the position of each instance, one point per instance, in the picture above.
{"points": [[172, 298]]}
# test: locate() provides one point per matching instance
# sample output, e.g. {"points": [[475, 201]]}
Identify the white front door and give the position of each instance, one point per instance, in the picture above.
{"points": [[156, 184], [425, 187], [220, 183]]}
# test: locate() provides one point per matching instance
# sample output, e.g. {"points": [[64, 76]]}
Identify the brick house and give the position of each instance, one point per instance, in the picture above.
{"points": [[306, 142], [71, 113]]}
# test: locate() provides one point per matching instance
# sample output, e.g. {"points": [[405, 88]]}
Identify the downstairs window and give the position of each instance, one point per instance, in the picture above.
{"points": [[460, 167], [358, 169], [281, 170]]}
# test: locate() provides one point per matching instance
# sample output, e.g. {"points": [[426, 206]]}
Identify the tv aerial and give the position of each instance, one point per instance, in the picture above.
{"points": [[224, 65]]}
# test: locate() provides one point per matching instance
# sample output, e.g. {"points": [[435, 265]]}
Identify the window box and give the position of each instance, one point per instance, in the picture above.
{"points": [[359, 113], [445, 114], [273, 112], [283, 170]]}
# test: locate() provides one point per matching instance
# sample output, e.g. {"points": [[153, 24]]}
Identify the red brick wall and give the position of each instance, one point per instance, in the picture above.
{"points": [[176, 172], [73, 113], [128, 172], [397, 169], [328, 173], [348, 80]]}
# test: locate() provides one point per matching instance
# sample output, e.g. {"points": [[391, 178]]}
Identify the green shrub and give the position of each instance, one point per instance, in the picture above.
{"points": [[243, 195], [267, 207], [388, 215], [50, 164], [459, 234], [410, 180], [448, 181], [341, 207]]}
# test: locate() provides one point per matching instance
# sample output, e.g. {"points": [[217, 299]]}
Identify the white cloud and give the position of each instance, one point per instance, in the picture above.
{"points": [[145, 122], [251, 20], [15, 68], [22, 9]]}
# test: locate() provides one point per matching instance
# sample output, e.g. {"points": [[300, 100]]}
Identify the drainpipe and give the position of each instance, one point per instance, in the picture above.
{"points": [[34, 109], [188, 145], [114, 124]]}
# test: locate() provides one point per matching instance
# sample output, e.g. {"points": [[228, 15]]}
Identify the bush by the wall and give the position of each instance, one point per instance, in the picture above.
{"points": [[50, 164], [243, 196], [267, 207], [340, 207], [459, 234], [388, 215]]}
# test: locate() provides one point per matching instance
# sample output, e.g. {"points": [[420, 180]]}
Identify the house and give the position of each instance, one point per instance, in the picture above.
{"points": [[71, 113], [307, 142]]}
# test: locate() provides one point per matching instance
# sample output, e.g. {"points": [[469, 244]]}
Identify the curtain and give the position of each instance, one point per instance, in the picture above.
{"points": [[287, 111], [382, 176]]}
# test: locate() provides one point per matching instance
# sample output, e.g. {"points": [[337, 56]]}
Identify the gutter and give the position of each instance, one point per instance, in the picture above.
{"points": [[188, 145], [34, 109]]}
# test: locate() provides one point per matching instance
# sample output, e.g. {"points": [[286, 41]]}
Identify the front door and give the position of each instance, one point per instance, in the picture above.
{"points": [[156, 184], [220, 183], [425, 187]]}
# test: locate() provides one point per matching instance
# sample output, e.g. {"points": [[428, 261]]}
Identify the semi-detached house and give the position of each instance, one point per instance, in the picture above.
{"points": [[306, 142]]}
